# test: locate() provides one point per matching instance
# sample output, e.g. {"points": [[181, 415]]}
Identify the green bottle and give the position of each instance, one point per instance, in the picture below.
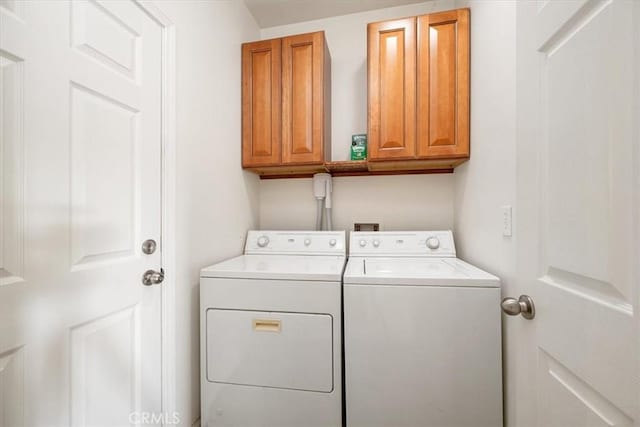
{"points": [[359, 147]]}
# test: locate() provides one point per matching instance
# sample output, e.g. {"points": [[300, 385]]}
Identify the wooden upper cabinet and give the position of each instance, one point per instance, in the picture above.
{"points": [[443, 85], [286, 105], [418, 71], [261, 103], [392, 89], [306, 103], [418, 98]]}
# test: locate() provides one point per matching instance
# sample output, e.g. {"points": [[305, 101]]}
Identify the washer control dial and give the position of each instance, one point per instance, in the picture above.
{"points": [[433, 243], [363, 243], [333, 242], [263, 241], [307, 241], [376, 243]]}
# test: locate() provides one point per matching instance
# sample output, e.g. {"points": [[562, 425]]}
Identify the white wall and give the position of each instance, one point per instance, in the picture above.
{"points": [[216, 201], [487, 181], [397, 202]]}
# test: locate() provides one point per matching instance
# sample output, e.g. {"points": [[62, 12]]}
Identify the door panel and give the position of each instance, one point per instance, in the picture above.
{"points": [[11, 169], [301, 99], [100, 34], [12, 231], [303, 62], [576, 171], [104, 133], [106, 356], [81, 185], [392, 89], [261, 123], [443, 84], [12, 388], [573, 402], [301, 133]]}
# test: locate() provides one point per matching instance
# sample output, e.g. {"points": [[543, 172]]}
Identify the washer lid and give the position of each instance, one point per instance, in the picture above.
{"points": [[416, 272], [280, 267]]}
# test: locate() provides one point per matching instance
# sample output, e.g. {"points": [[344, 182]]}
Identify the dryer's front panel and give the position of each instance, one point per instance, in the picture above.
{"points": [[270, 349]]}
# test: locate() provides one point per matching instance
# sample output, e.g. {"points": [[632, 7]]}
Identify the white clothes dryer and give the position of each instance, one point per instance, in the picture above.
{"points": [[271, 332]]}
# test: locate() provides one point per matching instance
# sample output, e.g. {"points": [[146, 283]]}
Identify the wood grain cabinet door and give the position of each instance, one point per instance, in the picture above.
{"points": [[392, 89], [304, 65], [443, 85], [261, 95]]}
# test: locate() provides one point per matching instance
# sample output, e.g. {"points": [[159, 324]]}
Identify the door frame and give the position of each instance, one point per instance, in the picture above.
{"points": [[168, 204], [636, 178]]}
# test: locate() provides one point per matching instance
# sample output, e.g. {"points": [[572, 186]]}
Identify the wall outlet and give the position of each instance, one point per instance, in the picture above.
{"points": [[366, 226], [507, 227]]}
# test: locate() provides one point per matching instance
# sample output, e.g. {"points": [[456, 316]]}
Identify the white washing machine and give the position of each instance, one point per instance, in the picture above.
{"points": [[422, 334], [271, 332]]}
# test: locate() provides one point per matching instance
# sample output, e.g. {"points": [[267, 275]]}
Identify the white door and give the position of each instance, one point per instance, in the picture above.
{"points": [[578, 213], [80, 188]]}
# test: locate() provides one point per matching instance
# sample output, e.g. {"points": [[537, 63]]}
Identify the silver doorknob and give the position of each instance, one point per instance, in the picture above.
{"points": [[523, 305], [152, 277], [149, 246]]}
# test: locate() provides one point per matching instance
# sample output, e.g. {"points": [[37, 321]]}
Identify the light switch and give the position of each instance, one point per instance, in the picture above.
{"points": [[506, 221]]}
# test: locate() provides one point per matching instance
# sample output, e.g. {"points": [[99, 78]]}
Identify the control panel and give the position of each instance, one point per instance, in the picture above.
{"points": [[402, 243], [296, 242]]}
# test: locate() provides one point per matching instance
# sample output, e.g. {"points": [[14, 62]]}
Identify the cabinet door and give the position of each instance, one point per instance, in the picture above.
{"points": [[261, 121], [392, 89], [303, 64], [443, 84]]}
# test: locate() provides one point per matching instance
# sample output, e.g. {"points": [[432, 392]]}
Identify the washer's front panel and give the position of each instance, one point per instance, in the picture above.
{"points": [[422, 356]]}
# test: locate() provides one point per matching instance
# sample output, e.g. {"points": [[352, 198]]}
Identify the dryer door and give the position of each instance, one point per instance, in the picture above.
{"points": [[270, 349]]}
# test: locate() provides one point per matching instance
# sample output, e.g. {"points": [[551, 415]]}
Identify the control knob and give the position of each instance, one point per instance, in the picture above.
{"points": [[376, 243], [307, 242], [433, 243], [263, 241], [363, 243], [332, 242]]}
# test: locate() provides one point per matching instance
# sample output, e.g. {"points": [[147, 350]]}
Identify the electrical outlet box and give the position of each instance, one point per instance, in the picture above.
{"points": [[366, 226], [507, 226]]}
